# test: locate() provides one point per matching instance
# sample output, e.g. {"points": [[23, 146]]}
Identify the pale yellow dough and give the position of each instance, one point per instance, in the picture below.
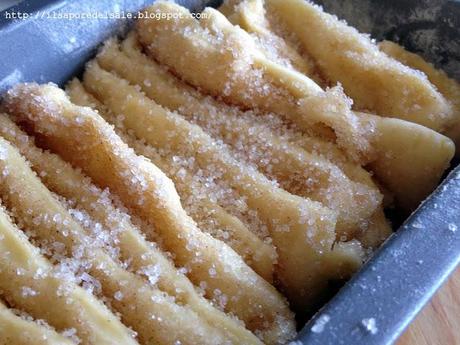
{"points": [[64, 180], [250, 15], [39, 210], [302, 230], [237, 78], [83, 138], [356, 197], [207, 213], [376, 82], [448, 87], [241, 74], [62, 304], [15, 330]]}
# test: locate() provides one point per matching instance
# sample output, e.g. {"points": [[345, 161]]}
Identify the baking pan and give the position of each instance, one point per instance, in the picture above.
{"points": [[376, 305]]}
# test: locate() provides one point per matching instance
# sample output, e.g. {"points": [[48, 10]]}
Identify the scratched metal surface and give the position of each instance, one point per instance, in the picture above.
{"points": [[393, 286]]}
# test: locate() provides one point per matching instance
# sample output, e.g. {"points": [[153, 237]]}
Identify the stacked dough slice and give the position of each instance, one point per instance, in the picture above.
{"points": [[82, 229], [199, 172]]}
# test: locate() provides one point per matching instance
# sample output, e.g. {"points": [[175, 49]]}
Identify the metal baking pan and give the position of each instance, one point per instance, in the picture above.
{"points": [[405, 272]]}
